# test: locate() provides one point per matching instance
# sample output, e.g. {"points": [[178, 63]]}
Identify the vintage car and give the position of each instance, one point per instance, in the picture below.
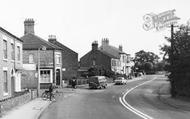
{"points": [[97, 82], [120, 80]]}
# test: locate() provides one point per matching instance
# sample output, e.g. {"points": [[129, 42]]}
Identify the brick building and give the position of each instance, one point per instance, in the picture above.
{"points": [[99, 58], [50, 55], [124, 63], [69, 59], [10, 64], [107, 57]]}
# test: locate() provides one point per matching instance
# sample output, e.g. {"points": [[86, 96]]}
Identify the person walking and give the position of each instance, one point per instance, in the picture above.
{"points": [[74, 82], [50, 91]]}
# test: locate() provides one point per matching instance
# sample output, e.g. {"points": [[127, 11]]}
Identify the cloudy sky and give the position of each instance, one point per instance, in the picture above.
{"points": [[77, 23]]}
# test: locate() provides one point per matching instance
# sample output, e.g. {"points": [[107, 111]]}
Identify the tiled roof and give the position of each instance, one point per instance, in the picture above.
{"points": [[33, 42], [62, 46], [111, 50], [2, 29], [109, 55]]}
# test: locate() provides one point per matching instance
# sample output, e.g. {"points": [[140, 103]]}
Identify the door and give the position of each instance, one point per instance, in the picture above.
{"points": [[58, 76]]}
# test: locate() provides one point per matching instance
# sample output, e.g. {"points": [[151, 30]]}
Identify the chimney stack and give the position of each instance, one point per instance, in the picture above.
{"points": [[120, 48], [28, 26], [52, 38], [95, 45], [105, 41]]}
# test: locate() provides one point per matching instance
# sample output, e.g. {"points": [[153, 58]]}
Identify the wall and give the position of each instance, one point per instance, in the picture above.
{"points": [[29, 80], [46, 57], [18, 100], [100, 60]]}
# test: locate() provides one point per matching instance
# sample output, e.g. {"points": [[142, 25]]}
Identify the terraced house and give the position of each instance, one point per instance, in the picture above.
{"points": [[10, 64], [44, 54]]}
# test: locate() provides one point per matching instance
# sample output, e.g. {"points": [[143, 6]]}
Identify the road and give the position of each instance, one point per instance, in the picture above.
{"points": [[105, 104]]}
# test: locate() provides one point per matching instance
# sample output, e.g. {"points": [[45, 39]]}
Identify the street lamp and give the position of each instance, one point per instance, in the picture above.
{"points": [[38, 52]]}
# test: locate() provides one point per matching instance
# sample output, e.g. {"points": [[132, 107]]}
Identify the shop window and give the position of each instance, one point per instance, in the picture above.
{"points": [[45, 76]]}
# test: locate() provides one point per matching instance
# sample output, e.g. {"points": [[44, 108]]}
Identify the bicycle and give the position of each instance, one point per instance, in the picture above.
{"points": [[46, 95]]}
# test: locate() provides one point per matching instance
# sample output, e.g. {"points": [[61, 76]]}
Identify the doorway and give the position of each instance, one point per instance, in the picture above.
{"points": [[58, 76]]}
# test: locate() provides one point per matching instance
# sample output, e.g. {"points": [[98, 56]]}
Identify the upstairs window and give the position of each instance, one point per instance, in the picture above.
{"points": [[4, 49], [93, 62], [12, 51], [113, 62], [58, 58], [31, 58], [18, 53]]}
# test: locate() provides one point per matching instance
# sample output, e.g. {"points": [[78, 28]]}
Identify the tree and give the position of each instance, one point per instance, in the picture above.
{"points": [[145, 61], [178, 60]]}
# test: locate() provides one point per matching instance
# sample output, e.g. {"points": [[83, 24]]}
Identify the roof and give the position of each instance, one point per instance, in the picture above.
{"points": [[33, 42], [109, 55], [111, 50], [103, 52], [62, 46], [2, 29]]}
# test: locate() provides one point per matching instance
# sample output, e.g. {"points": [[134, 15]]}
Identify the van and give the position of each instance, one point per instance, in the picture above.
{"points": [[97, 82]]}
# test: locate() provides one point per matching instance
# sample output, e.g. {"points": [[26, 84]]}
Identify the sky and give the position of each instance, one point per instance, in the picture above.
{"points": [[77, 23]]}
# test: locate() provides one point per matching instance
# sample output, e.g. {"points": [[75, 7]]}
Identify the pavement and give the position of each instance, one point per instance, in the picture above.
{"points": [[177, 102], [32, 109]]}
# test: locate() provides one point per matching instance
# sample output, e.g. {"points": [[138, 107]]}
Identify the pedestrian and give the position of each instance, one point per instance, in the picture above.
{"points": [[50, 91], [73, 82]]}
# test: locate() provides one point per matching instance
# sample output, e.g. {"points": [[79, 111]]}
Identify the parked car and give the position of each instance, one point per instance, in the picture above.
{"points": [[97, 82], [120, 80]]}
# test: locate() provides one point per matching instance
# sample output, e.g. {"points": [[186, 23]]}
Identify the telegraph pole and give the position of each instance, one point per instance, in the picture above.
{"points": [[172, 44]]}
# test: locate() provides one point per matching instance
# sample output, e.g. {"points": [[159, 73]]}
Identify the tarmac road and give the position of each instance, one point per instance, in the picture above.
{"points": [[106, 104]]}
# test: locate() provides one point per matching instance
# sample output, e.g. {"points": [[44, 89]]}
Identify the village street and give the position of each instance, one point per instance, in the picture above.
{"points": [[148, 101]]}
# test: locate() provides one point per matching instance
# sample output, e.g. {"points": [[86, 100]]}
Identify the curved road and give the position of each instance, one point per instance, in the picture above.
{"points": [[104, 104]]}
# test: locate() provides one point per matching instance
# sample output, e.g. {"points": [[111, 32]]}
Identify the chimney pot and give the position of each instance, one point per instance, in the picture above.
{"points": [[95, 45], [52, 38], [28, 26], [120, 48]]}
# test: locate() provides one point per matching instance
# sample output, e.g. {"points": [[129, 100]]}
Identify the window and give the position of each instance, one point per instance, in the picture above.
{"points": [[5, 82], [58, 58], [45, 76], [18, 53], [31, 58], [113, 63], [4, 49], [12, 51], [93, 62]]}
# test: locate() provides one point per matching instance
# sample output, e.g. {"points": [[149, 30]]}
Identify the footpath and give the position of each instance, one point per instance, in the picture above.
{"points": [[178, 102], [32, 109]]}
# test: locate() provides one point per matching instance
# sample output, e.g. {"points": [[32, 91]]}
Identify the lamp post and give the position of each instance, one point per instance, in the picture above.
{"points": [[38, 85]]}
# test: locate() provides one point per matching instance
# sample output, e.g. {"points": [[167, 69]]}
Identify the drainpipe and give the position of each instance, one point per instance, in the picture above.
{"points": [[54, 81]]}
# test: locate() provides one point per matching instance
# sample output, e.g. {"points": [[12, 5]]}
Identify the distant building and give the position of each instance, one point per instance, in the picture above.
{"points": [[69, 59], [125, 64], [98, 58], [108, 57], [10, 64], [50, 55]]}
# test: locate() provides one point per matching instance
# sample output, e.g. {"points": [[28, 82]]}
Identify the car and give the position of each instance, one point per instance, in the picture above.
{"points": [[120, 80], [97, 82]]}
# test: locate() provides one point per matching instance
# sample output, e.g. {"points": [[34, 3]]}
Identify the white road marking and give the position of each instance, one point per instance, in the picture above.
{"points": [[129, 107]]}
